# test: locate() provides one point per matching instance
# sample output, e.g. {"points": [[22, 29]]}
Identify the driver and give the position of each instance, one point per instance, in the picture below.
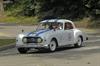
{"points": [[53, 26]]}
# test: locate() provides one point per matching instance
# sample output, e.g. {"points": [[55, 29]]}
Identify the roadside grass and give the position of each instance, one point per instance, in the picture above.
{"points": [[20, 20], [4, 42], [88, 23], [87, 26], [84, 23], [90, 30]]}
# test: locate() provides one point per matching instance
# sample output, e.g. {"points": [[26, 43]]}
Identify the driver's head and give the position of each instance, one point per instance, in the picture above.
{"points": [[53, 26]]}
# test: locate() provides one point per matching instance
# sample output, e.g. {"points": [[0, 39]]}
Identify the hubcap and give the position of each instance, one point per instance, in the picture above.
{"points": [[79, 41], [52, 46]]}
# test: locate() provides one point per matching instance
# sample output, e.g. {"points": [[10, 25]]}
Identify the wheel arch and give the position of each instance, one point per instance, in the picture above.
{"points": [[81, 37], [55, 40]]}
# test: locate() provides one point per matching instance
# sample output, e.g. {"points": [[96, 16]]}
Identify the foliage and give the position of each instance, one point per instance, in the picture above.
{"points": [[20, 20], [45, 9]]}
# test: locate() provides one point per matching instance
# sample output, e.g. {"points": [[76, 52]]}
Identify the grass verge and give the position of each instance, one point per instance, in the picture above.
{"points": [[20, 20], [4, 42]]}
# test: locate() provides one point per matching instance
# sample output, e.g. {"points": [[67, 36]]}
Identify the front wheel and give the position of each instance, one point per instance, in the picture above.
{"points": [[52, 46], [79, 42], [22, 50]]}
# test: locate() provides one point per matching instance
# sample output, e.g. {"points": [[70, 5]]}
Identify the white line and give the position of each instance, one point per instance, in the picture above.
{"points": [[87, 48], [92, 40], [94, 36], [4, 34]]}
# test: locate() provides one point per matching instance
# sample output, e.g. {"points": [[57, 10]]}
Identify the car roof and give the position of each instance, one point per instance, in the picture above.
{"points": [[56, 20]]}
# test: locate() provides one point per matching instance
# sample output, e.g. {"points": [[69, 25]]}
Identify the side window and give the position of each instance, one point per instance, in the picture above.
{"points": [[68, 26], [56, 25]]}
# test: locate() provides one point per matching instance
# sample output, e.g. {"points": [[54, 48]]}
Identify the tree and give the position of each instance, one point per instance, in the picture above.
{"points": [[1, 8], [69, 9]]}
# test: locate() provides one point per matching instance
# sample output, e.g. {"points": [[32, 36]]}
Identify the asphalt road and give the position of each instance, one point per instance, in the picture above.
{"points": [[68, 56]]}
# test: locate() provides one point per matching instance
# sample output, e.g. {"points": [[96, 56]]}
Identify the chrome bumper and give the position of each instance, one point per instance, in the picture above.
{"points": [[32, 45]]}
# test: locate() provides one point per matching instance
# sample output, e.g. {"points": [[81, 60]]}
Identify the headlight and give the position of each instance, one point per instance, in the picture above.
{"points": [[25, 40], [39, 40]]}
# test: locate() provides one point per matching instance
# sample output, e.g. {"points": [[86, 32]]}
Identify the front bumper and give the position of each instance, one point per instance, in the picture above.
{"points": [[32, 45]]}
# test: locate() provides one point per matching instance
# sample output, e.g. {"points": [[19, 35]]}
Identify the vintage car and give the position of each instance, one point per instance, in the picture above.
{"points": [[51, 34]]}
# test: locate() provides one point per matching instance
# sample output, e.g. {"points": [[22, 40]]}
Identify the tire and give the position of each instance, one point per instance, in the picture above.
{"points": [[22, 50], [52, 46], [79, 43]]}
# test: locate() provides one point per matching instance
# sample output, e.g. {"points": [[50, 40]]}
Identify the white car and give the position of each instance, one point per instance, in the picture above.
{"points": [[51, 34]]}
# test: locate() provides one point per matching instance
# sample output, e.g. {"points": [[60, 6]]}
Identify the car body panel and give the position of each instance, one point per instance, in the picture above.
{"points": [[63, 37]]}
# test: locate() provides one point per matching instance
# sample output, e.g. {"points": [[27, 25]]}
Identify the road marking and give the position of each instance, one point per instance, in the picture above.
{"points": [[3, 34], [94, 36], [87, 48], [92, 40]]}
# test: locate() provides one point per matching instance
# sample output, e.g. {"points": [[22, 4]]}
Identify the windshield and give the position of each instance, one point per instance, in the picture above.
{"points": [[50, 26]]}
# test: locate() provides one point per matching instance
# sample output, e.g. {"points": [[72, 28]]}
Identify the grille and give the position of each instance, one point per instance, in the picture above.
{"points": [[31, 39]]}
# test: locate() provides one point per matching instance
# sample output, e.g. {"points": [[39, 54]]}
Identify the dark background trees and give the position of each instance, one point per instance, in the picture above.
{"points": [[1, 8], [69, 9]]}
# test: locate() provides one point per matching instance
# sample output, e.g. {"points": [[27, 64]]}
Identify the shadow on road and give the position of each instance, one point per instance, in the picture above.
{"points": [[45, 51]]}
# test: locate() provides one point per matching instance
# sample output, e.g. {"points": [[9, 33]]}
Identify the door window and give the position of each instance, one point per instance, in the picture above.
{"points": [[68, 26]]}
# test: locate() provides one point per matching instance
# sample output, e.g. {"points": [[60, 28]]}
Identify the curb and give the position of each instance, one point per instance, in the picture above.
{"points": [[7, 47]]}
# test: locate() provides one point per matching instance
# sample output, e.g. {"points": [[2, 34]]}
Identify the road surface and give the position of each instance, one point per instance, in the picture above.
{"points": [[12, 31], [68, 56]]}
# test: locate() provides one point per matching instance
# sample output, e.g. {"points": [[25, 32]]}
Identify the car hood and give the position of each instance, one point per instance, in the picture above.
{"points": [[38, 33]]}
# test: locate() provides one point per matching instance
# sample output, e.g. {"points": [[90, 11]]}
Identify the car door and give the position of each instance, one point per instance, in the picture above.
{"points": [[68, 34], [58, 33]]}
